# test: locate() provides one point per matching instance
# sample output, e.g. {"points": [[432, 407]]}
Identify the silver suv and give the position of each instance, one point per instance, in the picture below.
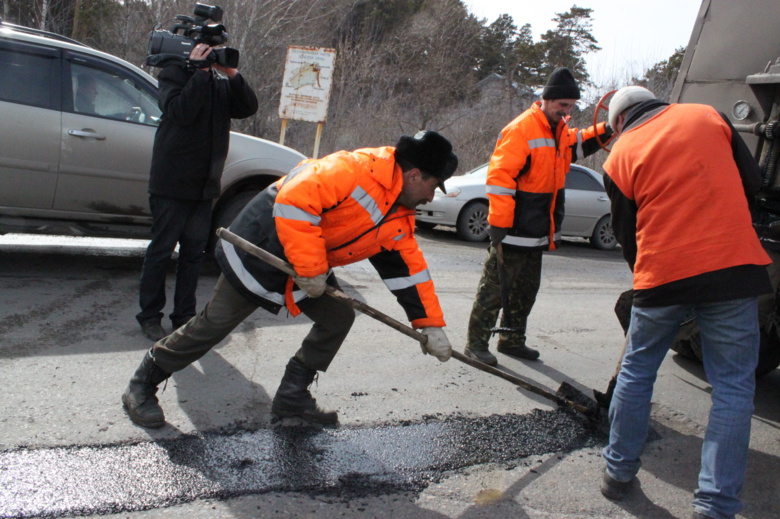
{"points": [[76, 136]]}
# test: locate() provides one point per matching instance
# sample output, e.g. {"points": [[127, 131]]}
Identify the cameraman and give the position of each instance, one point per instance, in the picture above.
{"points": [[190, 148]]}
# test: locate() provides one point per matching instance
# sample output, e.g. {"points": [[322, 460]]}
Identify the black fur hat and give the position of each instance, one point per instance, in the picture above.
{"points": [[561, 85], [430, 152]]}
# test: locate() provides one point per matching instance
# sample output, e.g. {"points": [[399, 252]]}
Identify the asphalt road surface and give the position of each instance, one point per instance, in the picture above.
{"points": [[417, 438]]}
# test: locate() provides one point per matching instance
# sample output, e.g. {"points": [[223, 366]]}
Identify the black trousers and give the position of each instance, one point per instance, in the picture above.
{"points": [[186, 223]]}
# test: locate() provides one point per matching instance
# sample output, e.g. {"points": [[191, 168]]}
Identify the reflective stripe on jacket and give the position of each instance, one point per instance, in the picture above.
{"points": [[527, 175], [329, 212], [678, 169]]}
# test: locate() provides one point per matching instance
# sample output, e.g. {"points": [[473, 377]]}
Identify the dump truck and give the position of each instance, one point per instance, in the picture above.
{"points": [[732, 62]]}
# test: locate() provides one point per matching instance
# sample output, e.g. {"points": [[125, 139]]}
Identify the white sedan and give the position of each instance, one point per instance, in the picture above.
{"points": [[465, 207]]}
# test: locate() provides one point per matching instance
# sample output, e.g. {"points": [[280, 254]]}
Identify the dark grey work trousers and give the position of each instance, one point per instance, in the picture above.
{"points": [[228, 308]]}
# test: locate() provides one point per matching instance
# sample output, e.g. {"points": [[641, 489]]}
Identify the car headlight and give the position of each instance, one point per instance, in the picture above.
{"points": [[452, 192]]}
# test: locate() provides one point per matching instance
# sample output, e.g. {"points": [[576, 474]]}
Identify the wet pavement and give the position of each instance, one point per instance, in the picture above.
{"points": [[348, 462]]}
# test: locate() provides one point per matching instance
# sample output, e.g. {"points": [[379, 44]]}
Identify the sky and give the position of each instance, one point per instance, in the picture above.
{"points": [[634, 35]]}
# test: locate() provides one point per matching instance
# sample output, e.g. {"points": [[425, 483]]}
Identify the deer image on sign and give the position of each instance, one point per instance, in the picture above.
{"points": [[306, 84], [308, 74]]}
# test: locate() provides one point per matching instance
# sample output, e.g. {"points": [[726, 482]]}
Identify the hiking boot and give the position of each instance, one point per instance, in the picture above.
{"points": [[612, 488], [140, 397], [153, 330], [293, 398], [521, 352], [484, 356]]}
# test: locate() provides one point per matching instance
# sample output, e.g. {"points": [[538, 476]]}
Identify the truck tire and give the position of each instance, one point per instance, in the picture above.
{"points": [[688, 344]]}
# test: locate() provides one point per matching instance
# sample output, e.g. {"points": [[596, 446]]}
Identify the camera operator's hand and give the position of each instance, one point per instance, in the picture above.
{"points": [[198, 56], [229, 72]]}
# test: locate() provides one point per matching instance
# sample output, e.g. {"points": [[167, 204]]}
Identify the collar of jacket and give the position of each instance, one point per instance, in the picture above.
{"points": [[642, 112], [386, 154]]}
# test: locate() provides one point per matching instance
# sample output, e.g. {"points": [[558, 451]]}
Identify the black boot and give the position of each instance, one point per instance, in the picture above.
{"points": [[140, 397], [293, 398], [484, 356], [520, 351]]}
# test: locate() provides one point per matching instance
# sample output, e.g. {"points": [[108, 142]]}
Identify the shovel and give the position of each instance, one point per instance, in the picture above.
{"points": [[583, 405], [502, 282]]}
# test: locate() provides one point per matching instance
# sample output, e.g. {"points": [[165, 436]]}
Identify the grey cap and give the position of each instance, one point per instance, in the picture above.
{"points": [[624, 99]]}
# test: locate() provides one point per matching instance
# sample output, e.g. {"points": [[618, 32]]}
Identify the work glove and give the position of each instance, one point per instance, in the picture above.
{"points": [[437, 344], [496, 234], [313, 286]]}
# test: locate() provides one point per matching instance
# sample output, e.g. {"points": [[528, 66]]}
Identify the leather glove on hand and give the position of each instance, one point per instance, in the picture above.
{"points": [[496, 234], [437, 344], [313, 286]]}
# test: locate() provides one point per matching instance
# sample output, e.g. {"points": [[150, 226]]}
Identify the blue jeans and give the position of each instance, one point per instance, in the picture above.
{"points": [[730, 341], [188, 223]]}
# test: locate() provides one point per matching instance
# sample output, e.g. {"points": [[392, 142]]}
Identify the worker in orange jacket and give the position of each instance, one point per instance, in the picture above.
{"points": [[525, 187], [341, 209], [681, 182]]}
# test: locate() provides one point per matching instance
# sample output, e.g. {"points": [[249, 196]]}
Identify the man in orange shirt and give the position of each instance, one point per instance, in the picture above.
{"points": [[681, 181], [341, 209]]}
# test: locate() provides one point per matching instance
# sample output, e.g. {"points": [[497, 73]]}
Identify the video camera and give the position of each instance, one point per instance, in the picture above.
{"points": [[165, 46]]}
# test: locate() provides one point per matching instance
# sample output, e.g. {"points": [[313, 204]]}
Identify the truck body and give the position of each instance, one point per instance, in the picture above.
{"points": [[732, 62]]}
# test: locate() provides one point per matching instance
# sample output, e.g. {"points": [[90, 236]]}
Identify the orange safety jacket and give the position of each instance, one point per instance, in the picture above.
{"points": [[527, 175], [677, 169], [329, 212]]}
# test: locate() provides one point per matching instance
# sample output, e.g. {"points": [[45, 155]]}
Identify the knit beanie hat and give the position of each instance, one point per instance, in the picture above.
{"points": [[430, 152], [624, 99], [561, 85]]}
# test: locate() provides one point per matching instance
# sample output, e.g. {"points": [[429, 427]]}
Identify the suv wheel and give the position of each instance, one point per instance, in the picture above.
{"points": [[228, 212]]}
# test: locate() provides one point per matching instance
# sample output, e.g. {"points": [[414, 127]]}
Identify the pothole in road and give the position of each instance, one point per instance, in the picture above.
{"points": [[344, 462]]}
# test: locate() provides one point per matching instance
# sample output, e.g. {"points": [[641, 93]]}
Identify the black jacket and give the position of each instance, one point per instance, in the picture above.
{"points": [[192, 141]]}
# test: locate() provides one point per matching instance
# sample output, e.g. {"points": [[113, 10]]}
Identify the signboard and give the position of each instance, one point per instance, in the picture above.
{"points": [[306, 86]]}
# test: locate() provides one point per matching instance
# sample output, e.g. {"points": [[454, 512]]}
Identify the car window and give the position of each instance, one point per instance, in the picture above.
{"points": [[111, 94], [28, 75], [577, 179]]}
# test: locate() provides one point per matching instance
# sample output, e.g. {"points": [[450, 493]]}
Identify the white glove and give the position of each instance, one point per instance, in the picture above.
{"points": [[313, 286], [437, 345]]}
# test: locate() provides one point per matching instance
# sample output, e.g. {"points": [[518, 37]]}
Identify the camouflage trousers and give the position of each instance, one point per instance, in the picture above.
{"points": [[523, 273]]}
